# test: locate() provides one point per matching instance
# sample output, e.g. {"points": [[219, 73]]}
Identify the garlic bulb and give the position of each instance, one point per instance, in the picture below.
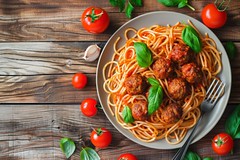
{"points": [[92, 53]]}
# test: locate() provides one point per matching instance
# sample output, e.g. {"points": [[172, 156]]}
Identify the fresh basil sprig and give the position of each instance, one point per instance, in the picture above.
{"points": [[88, 153], [191, 156], [174, 3], [67, 146], [127, 115], [155, 95], [232, 125], [144, 54], [192, 39], [129, 8], [231, 49]]}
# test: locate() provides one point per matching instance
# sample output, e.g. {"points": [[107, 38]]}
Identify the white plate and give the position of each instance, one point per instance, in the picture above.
{"points": [[164, 18]]}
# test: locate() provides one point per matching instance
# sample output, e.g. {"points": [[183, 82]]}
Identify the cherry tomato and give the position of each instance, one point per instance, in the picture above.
{"points": [[213, 17], [79, 80], [222, 143], [101, 137], [95, 19], [89, 107], [127, 156]]}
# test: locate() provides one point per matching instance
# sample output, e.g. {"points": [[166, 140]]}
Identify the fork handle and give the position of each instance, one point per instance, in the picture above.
{"points": [[182, 151]]}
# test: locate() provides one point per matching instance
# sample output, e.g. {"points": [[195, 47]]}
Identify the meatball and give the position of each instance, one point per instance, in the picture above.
{"points": [[139, 110], [180, 53], [171, 113], [162, 68], [191, 73], [135, 84], [177, 88]]}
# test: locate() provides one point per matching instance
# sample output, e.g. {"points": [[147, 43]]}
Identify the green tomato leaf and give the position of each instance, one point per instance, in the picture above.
{"points": [[118, 3], [144, 54], [191, 38], [127, 115], [232, 124], [191, 156], [231, 50], [67, 146], [136, 2], [155, 96], [129, 10]]}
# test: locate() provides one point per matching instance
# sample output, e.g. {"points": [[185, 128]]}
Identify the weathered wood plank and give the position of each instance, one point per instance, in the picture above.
{"points": [[37, 58], [58, 89], [29, 20], [34, 58], [33, 132], [41, 72], [44, 89]]}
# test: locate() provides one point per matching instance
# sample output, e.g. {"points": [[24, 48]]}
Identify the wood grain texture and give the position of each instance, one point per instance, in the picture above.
{"points": [[41, 47], [32, 20], [41, 72], [34, 130]]}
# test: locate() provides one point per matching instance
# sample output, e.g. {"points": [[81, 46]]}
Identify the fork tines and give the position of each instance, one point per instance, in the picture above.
{"points": [[215, 90]]}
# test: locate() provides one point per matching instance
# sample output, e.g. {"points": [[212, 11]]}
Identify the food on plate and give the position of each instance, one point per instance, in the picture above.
{"points": [[222, 144], [89, 107], [214, 16], [127, 156], [95, 20], [156, 82], [101, 137], [79, 80]]}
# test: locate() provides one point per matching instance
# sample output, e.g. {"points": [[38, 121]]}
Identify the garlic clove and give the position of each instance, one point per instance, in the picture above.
{"points": [[92, 53]]}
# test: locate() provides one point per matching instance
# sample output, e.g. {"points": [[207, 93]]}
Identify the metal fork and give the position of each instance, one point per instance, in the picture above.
{"points": [[214, 92]]}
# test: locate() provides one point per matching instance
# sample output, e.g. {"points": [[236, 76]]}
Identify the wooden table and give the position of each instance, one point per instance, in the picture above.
{"points": [[42, 45]]}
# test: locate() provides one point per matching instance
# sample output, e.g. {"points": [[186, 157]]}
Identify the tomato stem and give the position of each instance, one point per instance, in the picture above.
{"points": [[94, 16], [220, 6]]}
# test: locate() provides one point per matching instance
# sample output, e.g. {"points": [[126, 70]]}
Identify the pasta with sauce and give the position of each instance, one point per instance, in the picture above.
{"points": [[182, 74]]}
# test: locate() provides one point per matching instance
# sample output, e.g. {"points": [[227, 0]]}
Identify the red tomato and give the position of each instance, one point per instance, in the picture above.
{"points": [[79, 80], [127, 156], [213, 17], [101, 137], [222, 143], [89, 107], [95, 20]]}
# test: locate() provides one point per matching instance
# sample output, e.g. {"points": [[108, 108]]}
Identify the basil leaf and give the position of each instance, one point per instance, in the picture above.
{"points": [[207, 158], [191, 156], [173, 3], [118, 3], [182, 4], [232, 124], [191, 38], [169, 3], [153, 82], [127, 115], [67, 146], [136, 2], [231, 49], [144, 54], [129, 10], [88, 153], [155, 96]]}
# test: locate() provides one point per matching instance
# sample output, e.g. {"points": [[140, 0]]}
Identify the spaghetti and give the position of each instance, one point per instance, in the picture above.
{"points": [[160, 40]]}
